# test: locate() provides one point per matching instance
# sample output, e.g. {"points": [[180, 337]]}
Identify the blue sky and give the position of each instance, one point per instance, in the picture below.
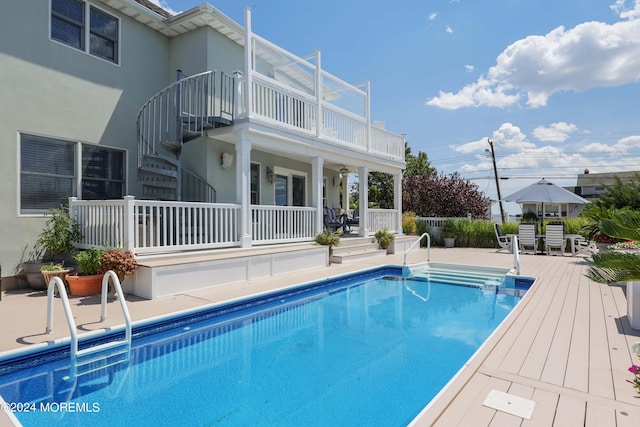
{"points": [[554, 84]]}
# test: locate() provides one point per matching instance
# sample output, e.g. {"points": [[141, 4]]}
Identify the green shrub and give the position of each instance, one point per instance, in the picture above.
{"points": [[328, 238], [409, 222]]}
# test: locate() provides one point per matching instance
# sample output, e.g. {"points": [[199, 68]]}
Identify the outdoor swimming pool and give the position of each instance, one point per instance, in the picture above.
{"points": [[367, 349]]}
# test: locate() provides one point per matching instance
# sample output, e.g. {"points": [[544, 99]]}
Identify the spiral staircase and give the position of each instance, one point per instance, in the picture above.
{"points": [[182, 112]]}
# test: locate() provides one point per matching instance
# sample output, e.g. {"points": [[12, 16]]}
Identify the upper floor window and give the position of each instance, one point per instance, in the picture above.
{"points": [[69, 20], [50, 172]]}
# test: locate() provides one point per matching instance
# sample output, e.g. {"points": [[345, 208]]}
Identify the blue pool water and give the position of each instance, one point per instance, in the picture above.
{"points": [[371, 349]]}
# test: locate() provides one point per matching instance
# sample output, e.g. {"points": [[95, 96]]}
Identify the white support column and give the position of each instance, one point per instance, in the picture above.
{"points": [[317, 176], [318, 117], [363, 200], [367, 114], [243, 187], [345, 191], [397, 200], [248, 62]]}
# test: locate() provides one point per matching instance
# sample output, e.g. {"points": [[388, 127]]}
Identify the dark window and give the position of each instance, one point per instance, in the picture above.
{"points": [[103, 41], [67, 22], [255, 184], [68, 26], [48, 175]]}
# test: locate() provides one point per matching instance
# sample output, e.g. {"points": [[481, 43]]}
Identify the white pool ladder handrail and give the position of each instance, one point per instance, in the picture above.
{"points": [[516, 254], [75, 353], [417, 242]]}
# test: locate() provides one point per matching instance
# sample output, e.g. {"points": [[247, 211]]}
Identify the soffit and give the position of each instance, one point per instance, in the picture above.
{"points": [[174, 25]]}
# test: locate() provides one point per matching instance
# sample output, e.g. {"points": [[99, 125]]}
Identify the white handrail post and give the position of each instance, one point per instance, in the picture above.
{"points": [[56, 281], [129, 223], [417, 242], [516, 254], [118, 288]]}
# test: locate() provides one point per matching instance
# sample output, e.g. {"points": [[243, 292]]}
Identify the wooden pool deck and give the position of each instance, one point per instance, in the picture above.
{"points": [[566, 346]]}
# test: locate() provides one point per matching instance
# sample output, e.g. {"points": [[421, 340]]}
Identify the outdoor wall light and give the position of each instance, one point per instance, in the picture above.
{"points": [[226, 160], [270, 174]]}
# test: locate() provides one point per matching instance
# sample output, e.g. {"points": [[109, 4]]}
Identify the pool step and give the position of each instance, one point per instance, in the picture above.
{"points": [[462, 277], [99, 357]]}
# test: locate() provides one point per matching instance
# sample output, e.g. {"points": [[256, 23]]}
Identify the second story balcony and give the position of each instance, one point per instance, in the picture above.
{"points": [[297, 94]]}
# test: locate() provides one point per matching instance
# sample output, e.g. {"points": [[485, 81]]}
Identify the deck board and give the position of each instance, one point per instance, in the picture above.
{"points": [[567, 349]]}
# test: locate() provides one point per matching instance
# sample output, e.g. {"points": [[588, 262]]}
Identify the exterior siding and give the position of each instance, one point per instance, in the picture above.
{"points": [[53, 90]]}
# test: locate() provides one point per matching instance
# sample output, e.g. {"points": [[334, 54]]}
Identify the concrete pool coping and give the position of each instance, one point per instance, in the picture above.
{"points": [[500, 364]]}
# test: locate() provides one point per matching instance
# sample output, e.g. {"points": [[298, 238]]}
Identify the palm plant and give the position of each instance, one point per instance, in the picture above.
{"points": [[617, 266]]}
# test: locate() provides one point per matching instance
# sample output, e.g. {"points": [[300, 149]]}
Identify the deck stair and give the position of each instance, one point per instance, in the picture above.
{"points": [[182, 112], [356, 248]]}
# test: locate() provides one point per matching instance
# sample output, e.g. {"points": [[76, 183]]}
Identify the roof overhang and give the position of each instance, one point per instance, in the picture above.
{"points": [[203, 15]]}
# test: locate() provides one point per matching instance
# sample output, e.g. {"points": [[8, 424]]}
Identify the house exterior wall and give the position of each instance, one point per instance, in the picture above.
{"points": [[53, 90]]}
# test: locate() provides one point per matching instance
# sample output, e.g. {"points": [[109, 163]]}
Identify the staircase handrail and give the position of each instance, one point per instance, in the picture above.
{"points": [[159, 117], [416, 243]]}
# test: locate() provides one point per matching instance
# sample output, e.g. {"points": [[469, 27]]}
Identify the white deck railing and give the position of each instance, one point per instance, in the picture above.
{"points": [[148, 226], [274, 224], [383, 219]]}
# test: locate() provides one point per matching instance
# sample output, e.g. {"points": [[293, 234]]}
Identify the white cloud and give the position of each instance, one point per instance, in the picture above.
{"points": [[448, 29], [557, 132], [469, 68], [510, 138], [620, 8], [592, 54], [433, 15]]}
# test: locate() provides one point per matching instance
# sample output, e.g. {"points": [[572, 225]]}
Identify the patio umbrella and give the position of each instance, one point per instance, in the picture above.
{"points": [[543, 192]]}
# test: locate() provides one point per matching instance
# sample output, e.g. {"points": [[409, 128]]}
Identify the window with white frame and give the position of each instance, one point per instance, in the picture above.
{"points": [[50, 172], [86, 28]]}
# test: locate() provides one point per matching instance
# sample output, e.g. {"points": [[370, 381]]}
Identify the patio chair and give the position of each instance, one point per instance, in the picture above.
{"points": [[353, 220], [554, 238], [584, 247], [503, 241], [527, 238], [331, 221]]}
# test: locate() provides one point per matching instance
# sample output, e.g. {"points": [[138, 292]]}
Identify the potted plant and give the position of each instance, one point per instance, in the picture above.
{"points": [[449, 233], [31, 268], [88, 281], [50, 271], [328, 237], [59, 235], [384, 238], [123, 263]]}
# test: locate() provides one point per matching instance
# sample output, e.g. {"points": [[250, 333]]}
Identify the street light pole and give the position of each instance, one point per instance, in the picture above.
{"points": [[495, 172]]}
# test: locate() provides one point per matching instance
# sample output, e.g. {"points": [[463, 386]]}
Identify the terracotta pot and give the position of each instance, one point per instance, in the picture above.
{"points": [[81, 286]]}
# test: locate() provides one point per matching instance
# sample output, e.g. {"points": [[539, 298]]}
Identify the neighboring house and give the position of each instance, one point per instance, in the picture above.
{"points": [[221, 142], [591, 185]]}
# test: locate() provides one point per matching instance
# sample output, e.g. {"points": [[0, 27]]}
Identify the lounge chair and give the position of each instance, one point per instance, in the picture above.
{"points": [[555, 238], [503, 241], [353, 220], [331, 221], [527, 238]]}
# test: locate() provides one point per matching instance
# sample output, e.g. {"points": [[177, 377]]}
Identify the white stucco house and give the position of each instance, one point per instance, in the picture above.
{"points": [[171, 133]]}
